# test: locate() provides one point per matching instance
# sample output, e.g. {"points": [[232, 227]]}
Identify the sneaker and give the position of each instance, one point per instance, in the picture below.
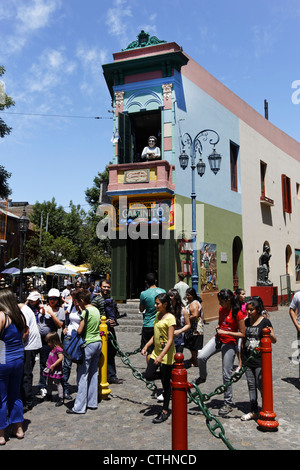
{"points": [[160, 418], [199, 381], [160, 398], [225, 410], [43, 392]]}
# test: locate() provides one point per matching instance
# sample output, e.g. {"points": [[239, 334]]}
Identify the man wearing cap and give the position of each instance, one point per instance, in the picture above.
{"points": [[49, 318], [32, 347]]}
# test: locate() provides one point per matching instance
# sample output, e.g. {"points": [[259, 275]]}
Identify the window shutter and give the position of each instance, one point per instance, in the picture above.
{"points": [[125, 146]]}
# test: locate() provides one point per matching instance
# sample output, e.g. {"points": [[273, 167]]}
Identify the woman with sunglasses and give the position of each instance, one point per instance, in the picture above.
{"points": [[49, 320], [151, 152]]}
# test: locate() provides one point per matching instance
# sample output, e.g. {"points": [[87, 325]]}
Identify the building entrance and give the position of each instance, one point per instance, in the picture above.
{"points": [[142, 258]]}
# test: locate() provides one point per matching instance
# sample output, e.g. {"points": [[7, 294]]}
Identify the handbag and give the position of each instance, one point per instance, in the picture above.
{"points": [[74, 349], [188, 339]]}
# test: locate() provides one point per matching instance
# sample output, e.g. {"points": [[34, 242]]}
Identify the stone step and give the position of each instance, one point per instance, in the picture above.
{"points": [[133, 321]]}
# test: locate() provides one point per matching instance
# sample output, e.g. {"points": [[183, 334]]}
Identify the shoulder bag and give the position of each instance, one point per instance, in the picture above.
{"points": [[74, 349]]}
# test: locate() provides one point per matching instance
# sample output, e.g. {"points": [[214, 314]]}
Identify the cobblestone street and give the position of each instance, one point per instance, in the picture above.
{"points": [[124, 420]]}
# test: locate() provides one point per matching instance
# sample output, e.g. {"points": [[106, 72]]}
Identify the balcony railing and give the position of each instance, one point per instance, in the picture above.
{"points": [[140, 178]]}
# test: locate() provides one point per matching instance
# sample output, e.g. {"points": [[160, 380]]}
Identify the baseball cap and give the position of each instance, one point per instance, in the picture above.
{"points": [[53, 293], [34, 296]]}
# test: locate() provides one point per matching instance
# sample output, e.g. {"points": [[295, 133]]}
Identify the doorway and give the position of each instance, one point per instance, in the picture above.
{"points": [[142, 258]]}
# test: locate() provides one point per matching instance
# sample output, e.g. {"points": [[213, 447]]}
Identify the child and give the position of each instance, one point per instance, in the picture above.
{"points": [[54, 367], [255, 323], [164, 350]]}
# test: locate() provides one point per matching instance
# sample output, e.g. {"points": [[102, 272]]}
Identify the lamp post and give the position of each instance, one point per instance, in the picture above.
{"points": [[214, 160], [23, 227]]}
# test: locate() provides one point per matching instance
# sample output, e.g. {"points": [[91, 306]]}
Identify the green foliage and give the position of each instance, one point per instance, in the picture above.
{"points": [[69, 235], [5, 190], [5, 103]]}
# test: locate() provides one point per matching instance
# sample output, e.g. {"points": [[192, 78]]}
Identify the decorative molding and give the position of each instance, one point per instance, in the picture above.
{"points": [[143, 40], [119, 98], [167, 90], [135, 100]]}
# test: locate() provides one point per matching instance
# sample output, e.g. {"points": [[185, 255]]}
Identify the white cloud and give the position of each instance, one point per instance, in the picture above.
{"points": [[263, 39], [116, 19], [91, 57], [36, 14], [28, 18], [50, 71]]}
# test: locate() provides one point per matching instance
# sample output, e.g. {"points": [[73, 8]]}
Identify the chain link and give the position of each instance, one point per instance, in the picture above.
{"points": [[125, 359], [199, 398]]}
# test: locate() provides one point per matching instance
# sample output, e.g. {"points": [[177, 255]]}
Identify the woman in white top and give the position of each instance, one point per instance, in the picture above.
{"points": [[194, 336], [72, 323], [151, 152], [32, 346]]}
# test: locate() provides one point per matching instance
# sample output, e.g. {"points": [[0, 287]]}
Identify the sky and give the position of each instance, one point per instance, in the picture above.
{"points": [[53, 51]]}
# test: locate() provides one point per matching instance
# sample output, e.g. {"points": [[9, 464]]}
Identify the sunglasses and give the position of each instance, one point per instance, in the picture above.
{"points": [[53, 298]]}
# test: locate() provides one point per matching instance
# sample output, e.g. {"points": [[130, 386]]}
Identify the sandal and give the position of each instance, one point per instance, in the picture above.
{"points": [[249, 417]]}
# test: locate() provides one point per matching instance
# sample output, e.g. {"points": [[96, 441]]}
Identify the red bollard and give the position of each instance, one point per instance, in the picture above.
{"points": [[179, 404], [267, 420]]}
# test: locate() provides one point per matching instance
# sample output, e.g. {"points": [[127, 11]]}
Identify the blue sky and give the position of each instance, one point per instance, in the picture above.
{"points": [[53, 51]]}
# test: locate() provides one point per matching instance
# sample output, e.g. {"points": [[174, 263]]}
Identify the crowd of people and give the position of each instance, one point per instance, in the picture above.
{"points": [[172, 321]]}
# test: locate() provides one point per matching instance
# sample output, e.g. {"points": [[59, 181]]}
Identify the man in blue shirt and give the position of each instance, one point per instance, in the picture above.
{"points": [[147, 307]]}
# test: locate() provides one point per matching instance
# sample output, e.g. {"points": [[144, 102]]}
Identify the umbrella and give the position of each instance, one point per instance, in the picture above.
{"points": [[10, 271], [34, 270], [61, 270], [78, 269]]}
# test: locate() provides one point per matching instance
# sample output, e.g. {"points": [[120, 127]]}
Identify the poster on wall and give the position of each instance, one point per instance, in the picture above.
{"points": [[208, 263], [297, 265]]}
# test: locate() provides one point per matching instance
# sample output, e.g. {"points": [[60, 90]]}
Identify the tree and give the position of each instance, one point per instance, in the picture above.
{"points": [[5, 190], [5, 103], [95, 250], [58, 234]]}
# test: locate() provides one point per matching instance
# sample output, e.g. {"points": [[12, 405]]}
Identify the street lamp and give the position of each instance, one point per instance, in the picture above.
{"points": [[214, 160], [23, 227]]}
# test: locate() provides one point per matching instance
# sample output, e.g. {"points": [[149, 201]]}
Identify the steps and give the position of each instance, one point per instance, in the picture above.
{"points": [[133, 321]]}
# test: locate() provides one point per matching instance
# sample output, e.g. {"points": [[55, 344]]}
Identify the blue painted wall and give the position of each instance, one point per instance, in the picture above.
{"points": [[193, 112]]}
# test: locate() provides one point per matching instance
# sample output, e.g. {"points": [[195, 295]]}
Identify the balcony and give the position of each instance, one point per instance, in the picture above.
{"points": [[155, 177]]}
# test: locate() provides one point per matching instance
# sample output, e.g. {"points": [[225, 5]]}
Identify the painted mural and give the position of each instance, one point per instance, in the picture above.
{"points": [[208, 263]]}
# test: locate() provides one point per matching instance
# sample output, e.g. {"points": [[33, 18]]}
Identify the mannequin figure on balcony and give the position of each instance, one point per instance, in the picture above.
{"points": [[151, 152]]}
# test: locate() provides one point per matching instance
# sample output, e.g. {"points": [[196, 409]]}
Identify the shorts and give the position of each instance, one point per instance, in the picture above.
{"points": [[147, 333], [196, 343]]}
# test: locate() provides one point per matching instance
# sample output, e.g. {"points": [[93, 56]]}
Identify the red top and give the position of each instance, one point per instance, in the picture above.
{"points": [[228, 323]]}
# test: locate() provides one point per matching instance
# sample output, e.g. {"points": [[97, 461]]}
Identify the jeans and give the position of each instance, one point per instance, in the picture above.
{"points": [[228, 354], [26, 386], [11, 405], [166, 375], [253, 375], [44, 353], [67, 365], [87, 378]]}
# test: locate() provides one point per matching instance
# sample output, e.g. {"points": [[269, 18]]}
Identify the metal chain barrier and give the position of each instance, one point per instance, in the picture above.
{"points": [[199, 398], [125, 359], [212, 423]]}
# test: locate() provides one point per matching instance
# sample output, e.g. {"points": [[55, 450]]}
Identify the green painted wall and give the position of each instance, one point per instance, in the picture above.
{"points": [[220, 227]]}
